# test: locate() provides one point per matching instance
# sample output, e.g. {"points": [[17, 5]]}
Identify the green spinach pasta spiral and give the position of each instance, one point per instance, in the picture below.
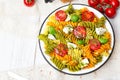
{"points": [[74, 68], [47, 42], [60, 37], [88, 24], [101, 22], [58, 63]]}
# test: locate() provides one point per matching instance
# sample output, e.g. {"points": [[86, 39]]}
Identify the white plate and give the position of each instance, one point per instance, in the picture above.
{"points": [[84, 71]]}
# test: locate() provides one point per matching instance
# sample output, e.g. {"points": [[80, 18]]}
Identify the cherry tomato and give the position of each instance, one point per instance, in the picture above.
{"points": [[80, 32], [110, 12], [104, 2], [88, 16], [29, 3], [94, 44], [61, 50], [93, 2], [114, 3], [60, 15], [99, 8]]}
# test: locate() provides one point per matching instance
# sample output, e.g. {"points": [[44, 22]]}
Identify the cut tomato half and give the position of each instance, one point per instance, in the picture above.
{"points": [[80, 32], [61, 49], [94, 44], [88, 16], [60, 15]]}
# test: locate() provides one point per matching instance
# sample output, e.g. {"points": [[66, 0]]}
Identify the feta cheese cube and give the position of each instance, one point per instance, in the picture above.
{"points": [[50, 36], [100, 31], [67, 29], [85, 61], [71, 45]]}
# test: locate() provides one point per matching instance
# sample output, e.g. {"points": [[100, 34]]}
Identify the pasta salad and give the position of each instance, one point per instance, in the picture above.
{"points": [[76, 39]]}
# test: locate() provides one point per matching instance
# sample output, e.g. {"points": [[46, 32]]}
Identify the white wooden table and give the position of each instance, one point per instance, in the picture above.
{"points": [[19, 49]]}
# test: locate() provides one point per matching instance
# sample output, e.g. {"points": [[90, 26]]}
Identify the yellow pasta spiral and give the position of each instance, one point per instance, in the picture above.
{"points": [[103, 48], [64, 23]]}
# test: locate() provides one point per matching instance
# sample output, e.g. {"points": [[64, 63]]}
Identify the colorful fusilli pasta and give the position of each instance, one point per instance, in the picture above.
{"points": [[75, 41]]}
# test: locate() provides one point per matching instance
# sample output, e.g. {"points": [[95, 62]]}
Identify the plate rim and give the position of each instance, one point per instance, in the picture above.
{"points": [[78, 73]]}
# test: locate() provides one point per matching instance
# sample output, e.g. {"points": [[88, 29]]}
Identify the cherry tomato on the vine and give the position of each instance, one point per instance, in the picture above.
{"points": [[104, 2], [114, 3], [93, 2], [99, 8], [109, 7], [110, 12], [29, 3]]}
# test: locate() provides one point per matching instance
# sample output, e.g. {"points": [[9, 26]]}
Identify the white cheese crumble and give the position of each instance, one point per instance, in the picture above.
{"points": [[50, 36], [67, 29], [71, 45], [100, 31], [68, 18], [85, 62]]}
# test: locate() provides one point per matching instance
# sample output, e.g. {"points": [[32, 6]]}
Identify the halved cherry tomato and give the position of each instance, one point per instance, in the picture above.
{"points": [[94, 44], [60, 15], [80, 32], [115, 3], [61, 50], [110, 12], [29, 3], [93, 2], [88, 16]]}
